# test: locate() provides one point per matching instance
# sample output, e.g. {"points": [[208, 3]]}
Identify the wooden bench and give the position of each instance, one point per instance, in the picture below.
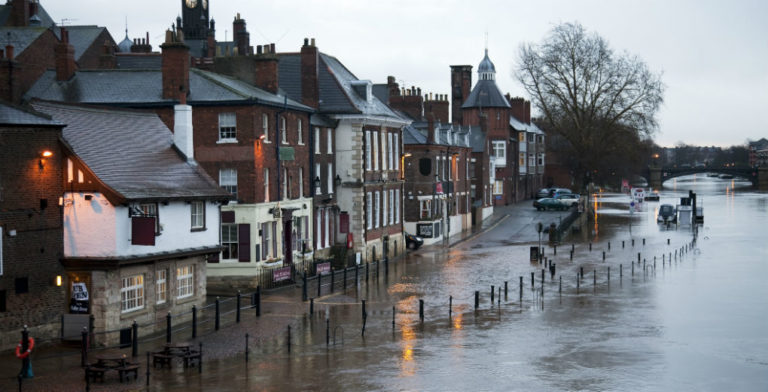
{"points": [[162, 359], [127, 369], [94, 372], [192, 358]]}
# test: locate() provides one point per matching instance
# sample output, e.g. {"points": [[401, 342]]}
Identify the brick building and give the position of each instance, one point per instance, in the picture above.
{"points": [[30, 225], [140, 218], [531, 153]]}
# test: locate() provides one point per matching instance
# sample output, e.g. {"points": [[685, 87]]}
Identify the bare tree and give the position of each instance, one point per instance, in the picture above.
{"points": [[602, 104]]}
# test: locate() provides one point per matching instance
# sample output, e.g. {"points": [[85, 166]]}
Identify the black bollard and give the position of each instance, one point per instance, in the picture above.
{"points": [[621, 271], [83, 347], [560, 289], [393, 318], [521, 289], [311, 307], [633, 242], [134, 339], [366, 271], [532, 277], [638, 257], [319, 283], [609, 245], [362, 310], [304, 294], [590, 246], [581, 272], [594, 278], [633, 269], [542, 276], [450, 306], [168, 328], [505, 289], [477, 299], [603, 255], [258, 301], [492, 291], [237, 314], [573, 248], [217, 321], [288, 339], [571, 255], [147, 368], [622, 244], [246, 347], [667, 241], [643, 241], [194, 321], [609, 274], [421, 310], [552, 268]]}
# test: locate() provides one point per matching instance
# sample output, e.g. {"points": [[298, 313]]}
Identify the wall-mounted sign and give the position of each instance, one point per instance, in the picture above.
{"points": [[323, 268], [80, 300], [424, 230], [281, 274]]}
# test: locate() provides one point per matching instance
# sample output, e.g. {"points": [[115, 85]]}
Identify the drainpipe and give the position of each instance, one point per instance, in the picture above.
{"points": [[278, 141]]}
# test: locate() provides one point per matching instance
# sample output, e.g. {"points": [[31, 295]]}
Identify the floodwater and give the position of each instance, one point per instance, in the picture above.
{"points": [[686, 319]]}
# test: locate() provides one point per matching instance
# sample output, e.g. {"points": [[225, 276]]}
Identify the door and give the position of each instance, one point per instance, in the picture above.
{"points": [[287, 243]]}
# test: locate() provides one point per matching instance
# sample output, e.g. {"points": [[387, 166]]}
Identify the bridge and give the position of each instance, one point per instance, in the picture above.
{"points": [[757, 176]]}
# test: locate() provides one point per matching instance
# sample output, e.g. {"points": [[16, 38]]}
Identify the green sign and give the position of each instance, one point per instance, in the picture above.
{"points": [[286, 153]]}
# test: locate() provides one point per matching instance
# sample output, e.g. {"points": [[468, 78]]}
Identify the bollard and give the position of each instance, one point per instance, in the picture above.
{"points": [[237, 314], [333, 278], [521, 290], [532, 277], [366, 271], [246, 347], [83, 347], [622, 244], [667, 241], [393, 318], [288, 338], [643, 241], [505, 289], [134, 339], [327, 331], [609, 245], [633, 242], [258, 301], [421, 310], [498, 301], [477, 299], [581, 270], [194, 321], [609, 274], [304, 294], [590, 246], [621, 271], [218, 315], [311, 306], [633, 269], [147, 368], [450, 306], [168, 327], [542, 276], [638, 257], [554, 248], [362, 310], [573, 248], [571, 255], [200, 350], [560, 289], [603, 255], [319, 284], [492, 290], [594, 278]]}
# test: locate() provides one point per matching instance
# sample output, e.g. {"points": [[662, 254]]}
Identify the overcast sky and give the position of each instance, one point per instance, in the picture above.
{"points": [[713, 54]]}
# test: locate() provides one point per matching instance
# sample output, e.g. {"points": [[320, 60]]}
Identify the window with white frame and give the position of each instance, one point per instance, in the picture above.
{"points": [[541, 159], [390, 151], [384, 212], [285, 183], [384, 151], [149, 210], [266, 184], [227, 127], [375, 150], [368, 210], [499, 150], [131, 293], [498, 187], [368, 147], [161, 282], [330, 178], [317, 140], [229, 241], [266, 239], [377, 210], [327, 222], [185, 281], [197, 212], [397, 151], [391, 206], [284, 130], [265, 127], [425, 209], [397, 205], [228, 180], [531, 160], [318, 183], [329, 142], [319, 228], [300, 131]]}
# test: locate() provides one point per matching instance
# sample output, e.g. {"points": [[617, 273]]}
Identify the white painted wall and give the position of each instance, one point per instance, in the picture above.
{"points": [[96, 228], [487, 211]]}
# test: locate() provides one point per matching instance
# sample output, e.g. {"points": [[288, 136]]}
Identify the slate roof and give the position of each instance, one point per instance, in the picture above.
{"points": [[132, 153], [81, 37], [337, 96], [517, 125], [477, 139], [140, 88], [485, 94], [139, 60], [20, 37], [14, 115], [411, 135], [45, 19], [416, 133]]}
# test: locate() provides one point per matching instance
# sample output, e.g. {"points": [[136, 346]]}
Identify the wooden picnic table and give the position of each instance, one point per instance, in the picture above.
{"points": [[182, 350], [110, 361]]}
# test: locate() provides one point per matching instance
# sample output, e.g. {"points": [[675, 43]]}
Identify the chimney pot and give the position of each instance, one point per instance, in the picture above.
{"points": [[258, 49], [271, 48], [9, 51], [306, 41], [312, 42]]}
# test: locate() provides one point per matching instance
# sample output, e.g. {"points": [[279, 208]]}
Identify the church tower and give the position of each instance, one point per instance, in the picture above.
{"points": [[195, 19]]}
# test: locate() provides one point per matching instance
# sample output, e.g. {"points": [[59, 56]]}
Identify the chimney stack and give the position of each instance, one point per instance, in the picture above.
{"points": [[19, 13], [528, 112], [461, 85], [10, 85], [175, 66], [430, 128], [241, 36], [65, 57], [183, 136], [266, 70], [310, 90]]}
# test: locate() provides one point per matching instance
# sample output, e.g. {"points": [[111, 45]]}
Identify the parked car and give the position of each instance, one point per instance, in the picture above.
{"points": [[568, 199], [542, 193], [667, 213], [551, 192], [413, 241], [549, 203]]}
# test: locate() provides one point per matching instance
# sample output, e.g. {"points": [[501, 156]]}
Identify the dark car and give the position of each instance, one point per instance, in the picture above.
{"points": [[413, 242], [667, 213], [549, 203]]}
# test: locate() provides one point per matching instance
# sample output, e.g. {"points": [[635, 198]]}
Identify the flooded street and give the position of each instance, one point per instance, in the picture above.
{"points": [[682, 320]]}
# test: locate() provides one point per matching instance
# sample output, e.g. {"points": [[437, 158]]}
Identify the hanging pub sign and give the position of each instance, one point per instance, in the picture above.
{"points": [[80, 300]]}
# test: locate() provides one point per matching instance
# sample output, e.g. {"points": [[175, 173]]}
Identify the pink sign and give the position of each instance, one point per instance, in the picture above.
{"points": [[281, 274], [324, 268]]}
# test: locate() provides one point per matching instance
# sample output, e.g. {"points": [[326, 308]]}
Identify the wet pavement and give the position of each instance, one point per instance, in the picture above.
{"points": [[692, 319]]}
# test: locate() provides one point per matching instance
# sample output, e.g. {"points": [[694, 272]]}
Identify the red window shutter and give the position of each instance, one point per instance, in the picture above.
{"points": [[244, 242], [344, 222], [227, 217], [143, 230]]}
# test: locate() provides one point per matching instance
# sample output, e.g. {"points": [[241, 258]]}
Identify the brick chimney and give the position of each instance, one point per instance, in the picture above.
{"points": [[310, 90], [10, 82], [19, 13], [265, 69], [175, 65], [461, 85], [410, 102], [241, 37], [528, 112], [430, 128], [438, 106], [211, 40], [107, 60], [392, 87], [517, 108], [65, 57]]}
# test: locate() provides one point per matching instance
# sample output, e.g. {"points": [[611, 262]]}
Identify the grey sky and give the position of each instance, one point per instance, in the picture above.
{"points": [[713, 54]]}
